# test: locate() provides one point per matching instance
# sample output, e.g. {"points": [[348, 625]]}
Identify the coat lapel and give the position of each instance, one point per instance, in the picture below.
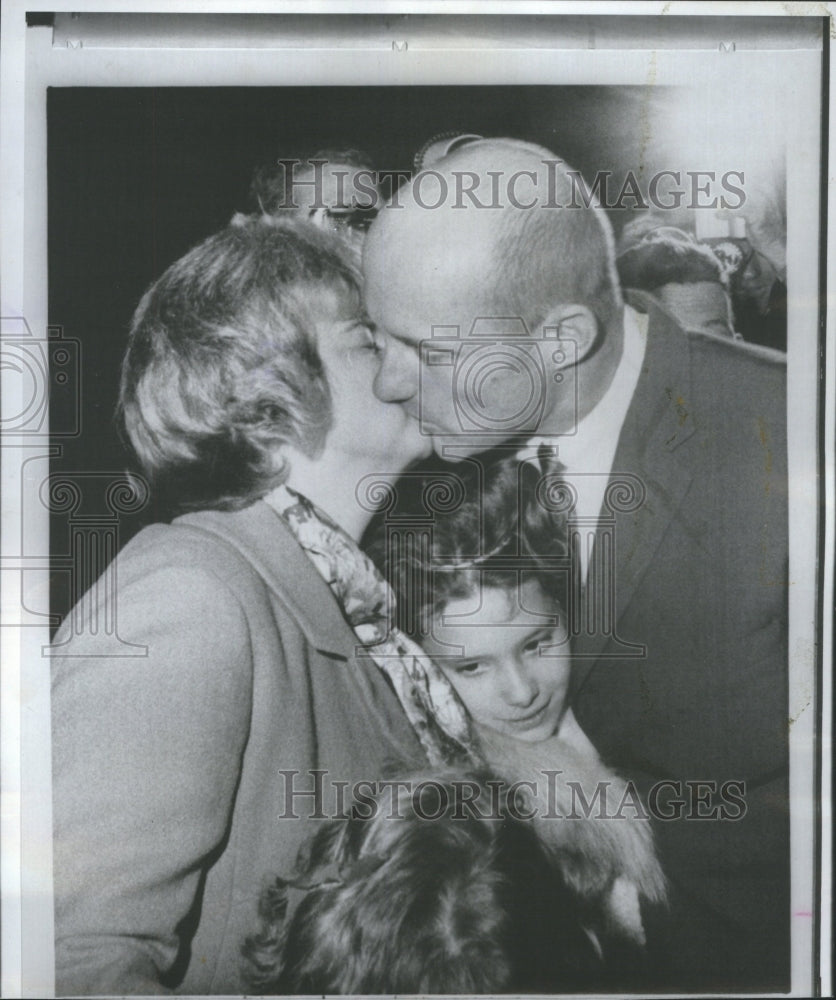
{"points": [[649, 479], [259, 536]]}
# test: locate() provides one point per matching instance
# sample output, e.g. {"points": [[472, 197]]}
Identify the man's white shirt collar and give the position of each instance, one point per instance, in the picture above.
{"points": [[587, 454], [592, 447]]}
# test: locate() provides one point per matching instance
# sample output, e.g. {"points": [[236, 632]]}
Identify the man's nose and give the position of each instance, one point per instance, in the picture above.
{"points": [[397, 378], [521, 687]]}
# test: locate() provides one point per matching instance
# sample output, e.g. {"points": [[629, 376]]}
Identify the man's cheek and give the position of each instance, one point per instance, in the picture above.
{"points": [[438, 407]]}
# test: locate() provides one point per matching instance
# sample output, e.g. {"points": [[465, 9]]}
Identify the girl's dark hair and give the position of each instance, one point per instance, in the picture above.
{"points": [[495, 521]]}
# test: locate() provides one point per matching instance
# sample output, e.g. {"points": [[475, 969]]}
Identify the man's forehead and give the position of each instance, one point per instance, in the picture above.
{"points": [[400, 309], [424, 227], [431, 257], [415, 307]]}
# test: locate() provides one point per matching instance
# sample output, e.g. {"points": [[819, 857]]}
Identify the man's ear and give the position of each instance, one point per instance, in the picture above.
{"points": [[576, 324]]}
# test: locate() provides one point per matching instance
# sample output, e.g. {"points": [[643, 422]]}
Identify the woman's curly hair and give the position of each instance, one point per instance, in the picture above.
{"points": [[222, 365]]}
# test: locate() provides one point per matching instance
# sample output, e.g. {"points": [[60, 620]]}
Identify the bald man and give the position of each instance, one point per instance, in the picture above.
{"points": [[493, 284]]}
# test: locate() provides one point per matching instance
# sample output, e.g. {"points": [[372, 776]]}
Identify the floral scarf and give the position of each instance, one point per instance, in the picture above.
{"points": [[366, 600]]}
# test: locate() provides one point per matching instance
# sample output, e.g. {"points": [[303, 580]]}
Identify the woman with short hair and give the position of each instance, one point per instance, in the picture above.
{"points": [[263, 679]]}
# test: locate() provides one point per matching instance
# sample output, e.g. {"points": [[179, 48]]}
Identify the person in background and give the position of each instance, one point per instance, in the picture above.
{"points": [[334, 189], [685, 276], [758, 292], [750, 246]]}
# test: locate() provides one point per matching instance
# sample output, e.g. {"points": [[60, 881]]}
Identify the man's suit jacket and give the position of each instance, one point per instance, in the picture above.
{"points": [[170, 808], [684, 677]]}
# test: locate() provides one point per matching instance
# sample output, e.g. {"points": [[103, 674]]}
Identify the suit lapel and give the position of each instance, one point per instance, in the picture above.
{"points": [[649, 479]]}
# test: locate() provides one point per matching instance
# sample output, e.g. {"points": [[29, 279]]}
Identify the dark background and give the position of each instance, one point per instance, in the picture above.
{"points": [[138, 175]]}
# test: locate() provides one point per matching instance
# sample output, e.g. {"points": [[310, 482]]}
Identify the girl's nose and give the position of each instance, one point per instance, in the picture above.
{"points": [[521, 688]]}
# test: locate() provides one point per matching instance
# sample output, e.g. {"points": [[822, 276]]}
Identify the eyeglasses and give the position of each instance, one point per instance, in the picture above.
{"points": [[357, 220]]}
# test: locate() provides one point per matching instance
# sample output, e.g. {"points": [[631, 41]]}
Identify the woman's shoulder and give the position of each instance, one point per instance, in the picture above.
{"points": [[216, 541], [195, 563], [197, 569]]}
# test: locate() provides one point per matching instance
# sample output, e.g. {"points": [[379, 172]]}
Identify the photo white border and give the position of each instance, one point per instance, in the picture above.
{"points": [[25, 834]]}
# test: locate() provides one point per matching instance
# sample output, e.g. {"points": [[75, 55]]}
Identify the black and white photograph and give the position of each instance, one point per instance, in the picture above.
{"points": [[417, 456]]}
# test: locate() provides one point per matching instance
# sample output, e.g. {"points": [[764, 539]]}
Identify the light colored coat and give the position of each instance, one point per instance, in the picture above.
{"points": [[167, 785]]}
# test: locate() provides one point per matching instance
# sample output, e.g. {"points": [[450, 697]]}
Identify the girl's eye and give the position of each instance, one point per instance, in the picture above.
{"points": [[533, 645], [467, 668]]}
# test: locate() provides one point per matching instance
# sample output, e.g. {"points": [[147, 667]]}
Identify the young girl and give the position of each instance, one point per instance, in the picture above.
{"points": [[384, 902], [485, 591]]}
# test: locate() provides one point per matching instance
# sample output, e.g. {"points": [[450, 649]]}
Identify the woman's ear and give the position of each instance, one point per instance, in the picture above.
{"points": [[575, 325]]}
